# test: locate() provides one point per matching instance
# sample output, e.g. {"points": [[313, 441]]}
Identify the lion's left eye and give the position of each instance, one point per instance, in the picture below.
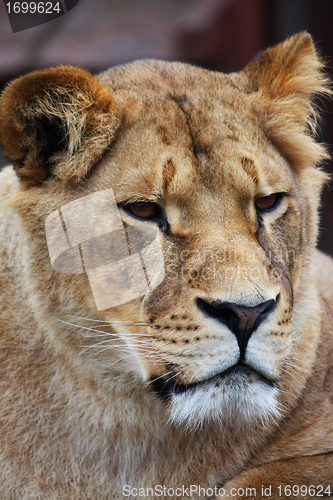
{"points": [[142, 210], [267, 203]]}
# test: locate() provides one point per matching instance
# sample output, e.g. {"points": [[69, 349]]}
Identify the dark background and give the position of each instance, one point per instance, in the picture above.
{"points": [[216, 34]]}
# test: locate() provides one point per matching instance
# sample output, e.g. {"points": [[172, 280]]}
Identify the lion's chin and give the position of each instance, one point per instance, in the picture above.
{"points": [[240, 396]]}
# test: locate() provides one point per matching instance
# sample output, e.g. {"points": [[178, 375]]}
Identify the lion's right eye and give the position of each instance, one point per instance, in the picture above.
{"points": [[143, 210], [268, 203]]}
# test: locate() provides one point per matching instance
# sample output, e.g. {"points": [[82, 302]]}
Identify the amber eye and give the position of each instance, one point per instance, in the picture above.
{"points": [[267, 203], [143, 210]]}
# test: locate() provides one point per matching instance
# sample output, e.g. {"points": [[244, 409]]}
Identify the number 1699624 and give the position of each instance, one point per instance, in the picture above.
{"points": [[33, 8], [304, 491]]}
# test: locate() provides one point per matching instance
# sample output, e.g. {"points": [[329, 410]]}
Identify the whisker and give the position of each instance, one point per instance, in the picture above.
{"points": [[128, 356], [113, 346], [143, 323], [170, 378], [296, 338], [98, 331], [290, 374], [86, 348], [142, 350], [157, 378]]}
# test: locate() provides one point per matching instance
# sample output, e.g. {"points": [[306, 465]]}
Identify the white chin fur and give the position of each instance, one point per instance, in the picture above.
{"points": [[241, 403]]}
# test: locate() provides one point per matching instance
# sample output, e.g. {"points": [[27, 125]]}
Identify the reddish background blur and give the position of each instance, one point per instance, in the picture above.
{"points": [[216, 34]]}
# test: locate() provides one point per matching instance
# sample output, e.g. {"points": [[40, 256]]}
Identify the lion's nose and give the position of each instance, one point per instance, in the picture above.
{"points": [[241, 320]]}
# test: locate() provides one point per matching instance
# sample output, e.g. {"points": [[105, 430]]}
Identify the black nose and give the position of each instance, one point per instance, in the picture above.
{"points": [[241, 320]]}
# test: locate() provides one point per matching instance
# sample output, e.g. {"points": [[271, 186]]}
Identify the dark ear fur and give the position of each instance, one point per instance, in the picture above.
{"points": [[285, 80], [57, 121]]}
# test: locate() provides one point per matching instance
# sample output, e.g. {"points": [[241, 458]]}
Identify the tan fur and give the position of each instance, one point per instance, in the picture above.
{"points": [[80, 413]]}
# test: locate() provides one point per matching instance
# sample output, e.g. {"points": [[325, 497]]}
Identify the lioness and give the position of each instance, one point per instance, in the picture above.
{"points": [[161, 330]]}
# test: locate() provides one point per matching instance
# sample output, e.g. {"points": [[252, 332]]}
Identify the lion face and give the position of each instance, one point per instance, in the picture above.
{"points": [[223, 172], [219, 327]]}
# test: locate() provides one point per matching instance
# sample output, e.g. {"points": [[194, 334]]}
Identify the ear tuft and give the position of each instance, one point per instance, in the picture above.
{"points": [[286, 79], [57, 121]]}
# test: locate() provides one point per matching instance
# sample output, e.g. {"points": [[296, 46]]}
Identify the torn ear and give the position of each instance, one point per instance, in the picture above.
{"points": [[57, 122], [286, 79]]}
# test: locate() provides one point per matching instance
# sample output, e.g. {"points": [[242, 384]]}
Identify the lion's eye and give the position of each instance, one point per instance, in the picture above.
{"points": [[143, 210], [267, 203]]}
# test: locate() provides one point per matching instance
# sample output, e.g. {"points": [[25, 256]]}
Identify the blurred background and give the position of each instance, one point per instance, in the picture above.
{"points": [[216, 34]]}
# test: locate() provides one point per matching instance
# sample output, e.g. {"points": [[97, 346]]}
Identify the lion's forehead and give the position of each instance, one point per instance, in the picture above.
{"points": [[189, 144]]}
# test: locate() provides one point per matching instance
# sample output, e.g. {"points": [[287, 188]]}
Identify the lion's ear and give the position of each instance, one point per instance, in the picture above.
{"points": [[285, 80], [57, 122]]}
